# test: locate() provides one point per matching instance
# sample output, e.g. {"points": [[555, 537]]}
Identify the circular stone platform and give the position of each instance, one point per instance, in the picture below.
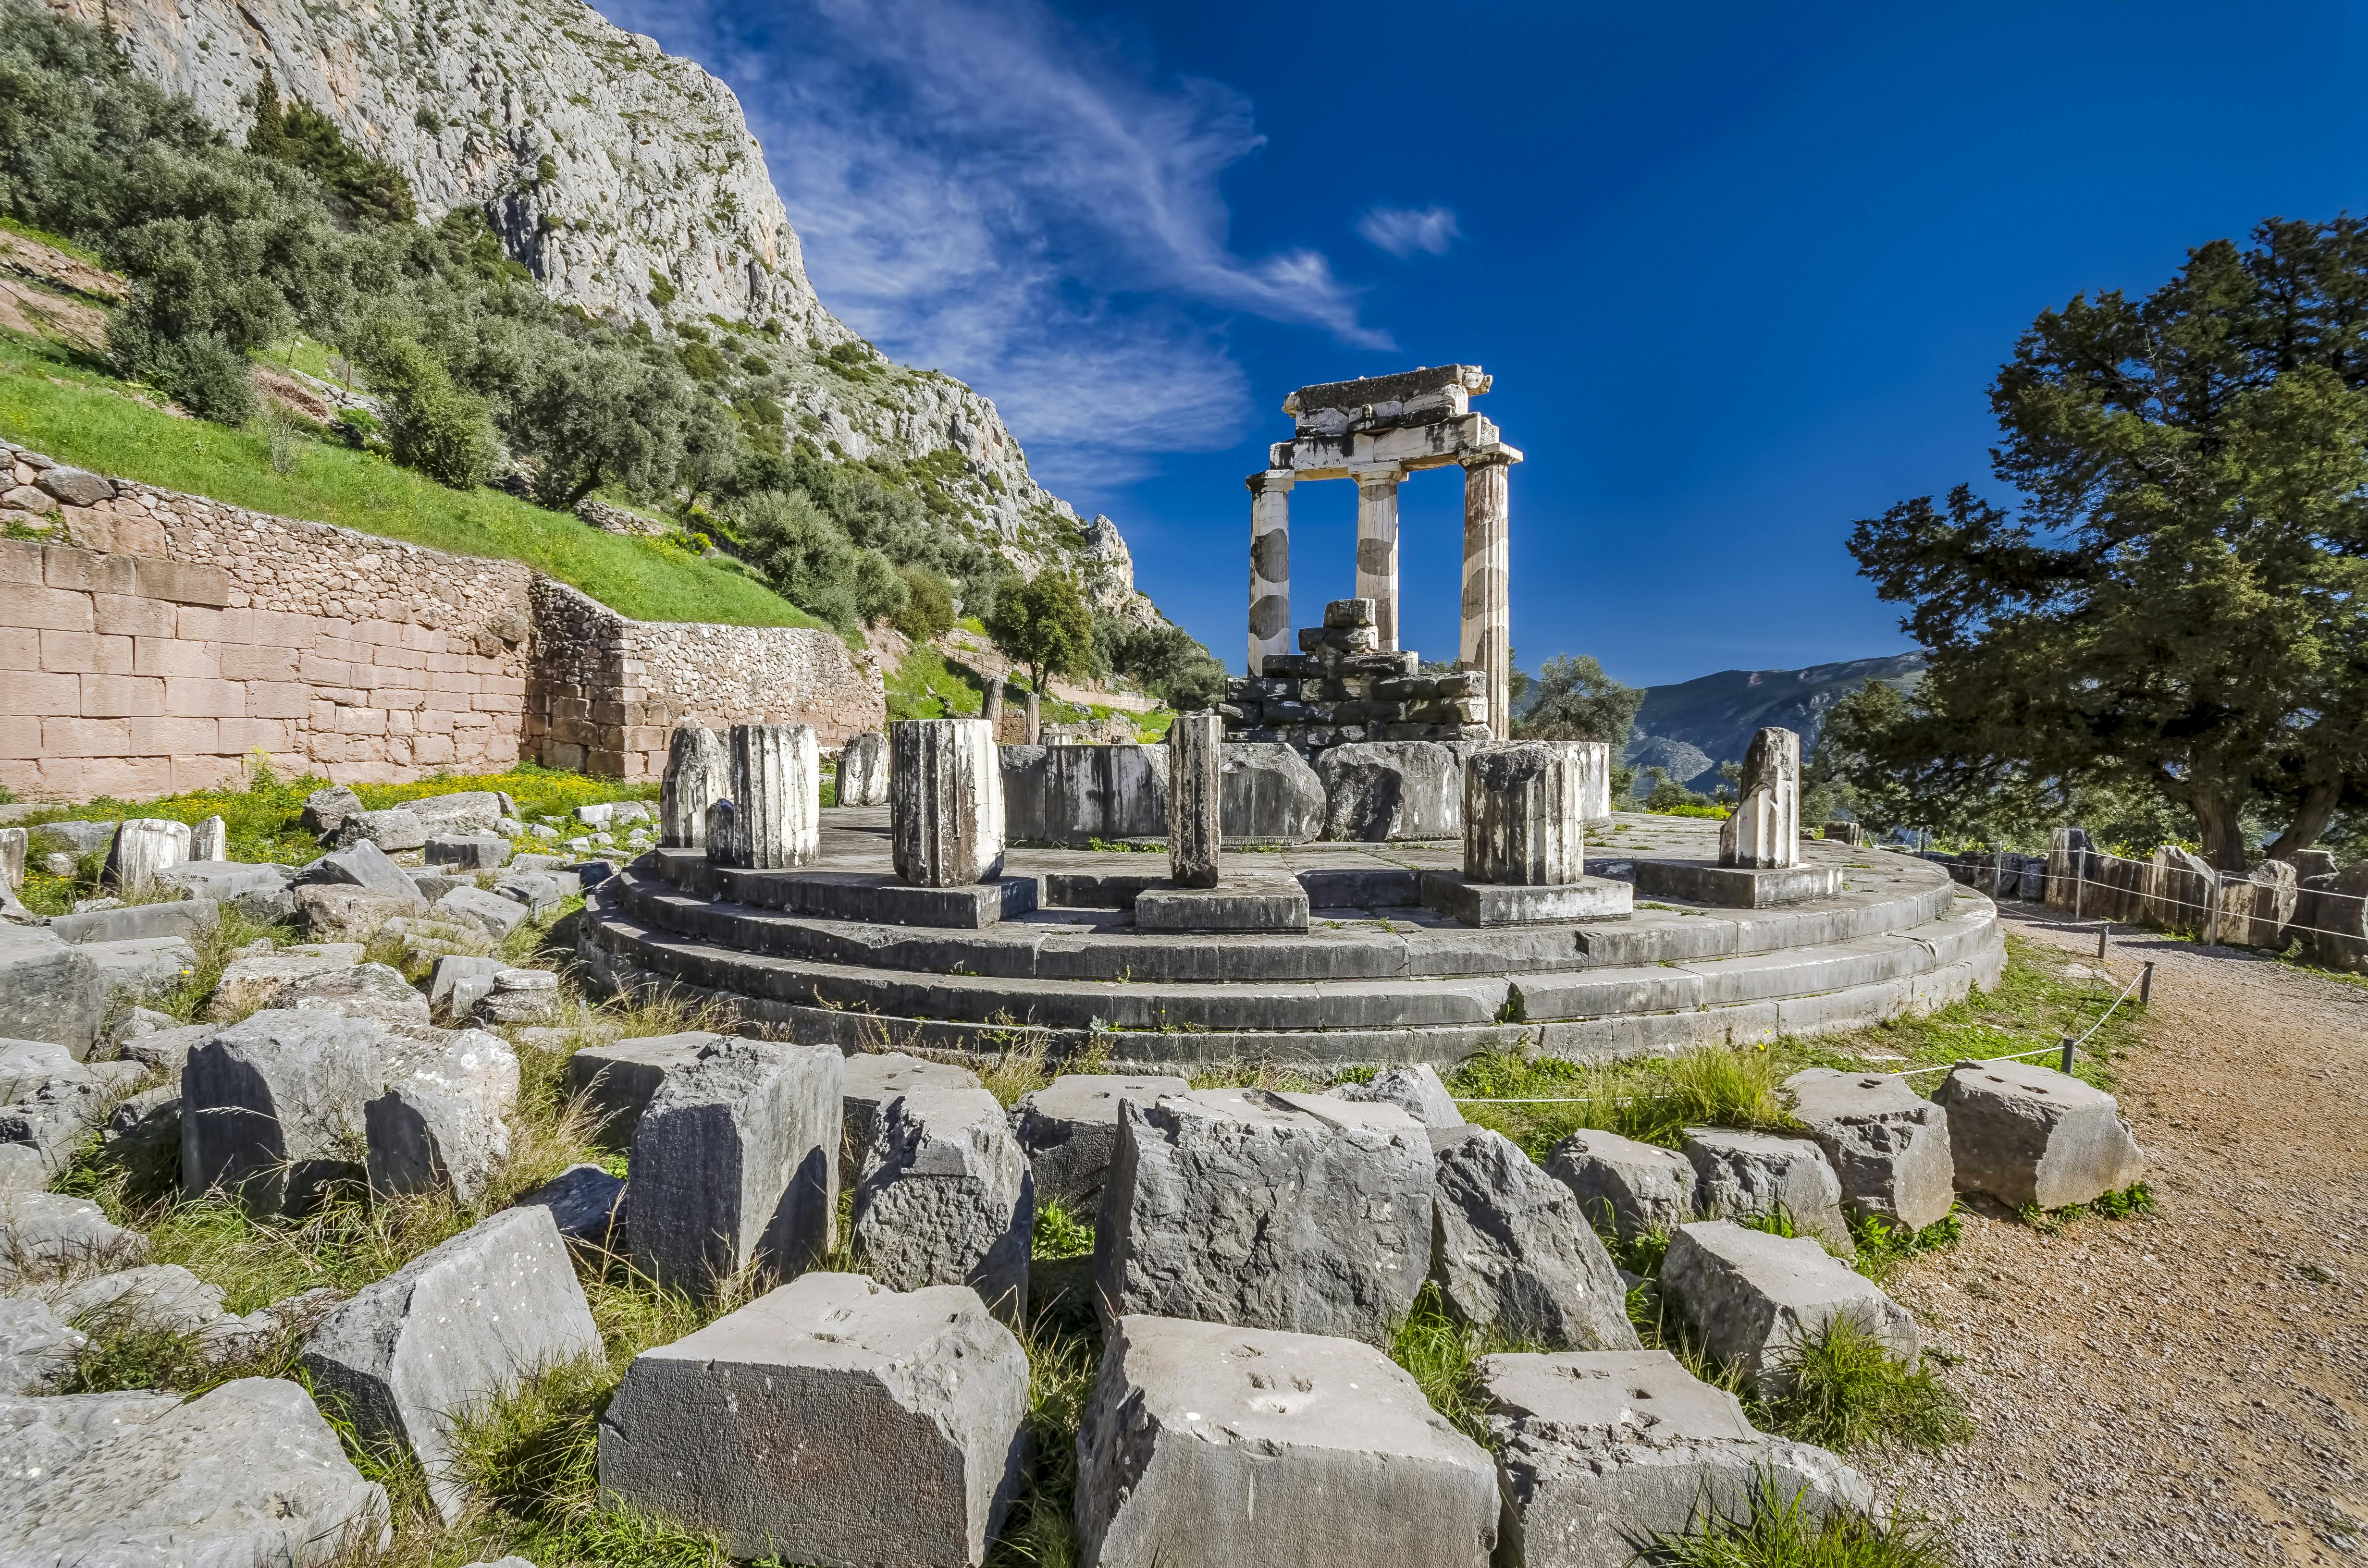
{"points": [[1056, 958]]}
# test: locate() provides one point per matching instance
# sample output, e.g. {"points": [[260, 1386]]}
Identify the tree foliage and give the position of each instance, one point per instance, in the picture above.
{"points": [[1577, 701], [1165, 660], [1044, 626], [2174, 608]]}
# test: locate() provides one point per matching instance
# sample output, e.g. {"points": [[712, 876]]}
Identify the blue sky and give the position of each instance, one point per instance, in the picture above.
{"points": [[1742, 274]]}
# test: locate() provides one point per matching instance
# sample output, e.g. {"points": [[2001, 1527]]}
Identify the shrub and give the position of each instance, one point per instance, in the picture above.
{"points": [[432, 425], [201, 372], [928, 610], [802, 553]]}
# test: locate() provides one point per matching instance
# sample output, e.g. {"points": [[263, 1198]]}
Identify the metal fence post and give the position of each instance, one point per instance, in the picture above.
{"points": [[2067, 1054], [2103, 928], [2145, 984], [2079, 881]]}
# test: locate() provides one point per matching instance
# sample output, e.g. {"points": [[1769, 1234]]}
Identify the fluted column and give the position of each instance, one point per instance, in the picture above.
{"points": [[1377, 547], [1488, 640], [699, 774], [945, 801], [1196, 798], [776, 819], [1269, 566]]}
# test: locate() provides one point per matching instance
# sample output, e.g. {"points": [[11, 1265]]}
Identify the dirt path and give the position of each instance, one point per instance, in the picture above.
{"points": [[2191, 1388]]}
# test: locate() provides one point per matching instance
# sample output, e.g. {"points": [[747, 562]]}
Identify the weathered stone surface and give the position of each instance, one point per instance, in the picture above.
{"points": [[945, 1197], [1272, 795], [471, 851], [1270, 1210], [1383, 790], [210, 840], [1414, 1090], [863, 770], [361, 865], [143, 846], [1751, 1175], [13, 843], [2330, 907], [376, 992], [37, 1349], [776, 799], [351, 913], [1888, 1145], [50, 989], [142, 966], [166, 1050], [1600, 1451], [224, 879], [1637, 1188], [521, 996], [945, 805], [1511, 1250], [2069, 850], [2257, 908], [457, 983], [161, 1298], [48, 1101], [732, 1163], [831, 1421], [272, 1107], [537, 891], [1069, 1131], [394, 830], [1248, 901], [1109, 792], [1764, 831], [456, 1327], [47, 1235], [1524, 818], [325, 811], [616, 1080], [1196, 788], [1757, 1298], [871, 1078], [247, 1474], [1210, 1445], [461, 812], [441, 1121], [2027, 1134], [497, 916], [249, 982], [585, 1202]]}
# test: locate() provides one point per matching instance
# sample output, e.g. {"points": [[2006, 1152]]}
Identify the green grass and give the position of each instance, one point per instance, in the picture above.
{"points": [[1060, 1234], [925, 687], [2133, 1202], [1844, 1391], [1652, 1101], [1442, 1358], [55, 404], [1780, 1531]]}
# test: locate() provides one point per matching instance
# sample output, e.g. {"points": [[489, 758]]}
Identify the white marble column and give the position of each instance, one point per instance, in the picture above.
{"points": [[1488, 640], [776, 798], [1377, 547], [1764, 831], [1269, 566]]}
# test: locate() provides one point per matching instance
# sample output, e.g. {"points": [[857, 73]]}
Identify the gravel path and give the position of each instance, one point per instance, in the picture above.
{"points": [[2190, 1388]]}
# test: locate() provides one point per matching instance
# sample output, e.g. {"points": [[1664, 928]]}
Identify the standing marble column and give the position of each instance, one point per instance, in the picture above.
{"points": [[863, 770], [1269, 566], [1764, 833], [776, 799], [945, 801], [1377, 547], [1196, 798], [697, 773], [1488, 640], [990, 704], [1524, 814]]}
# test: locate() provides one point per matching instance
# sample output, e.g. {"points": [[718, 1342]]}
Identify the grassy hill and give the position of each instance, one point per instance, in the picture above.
{"points": [[55, 401]]}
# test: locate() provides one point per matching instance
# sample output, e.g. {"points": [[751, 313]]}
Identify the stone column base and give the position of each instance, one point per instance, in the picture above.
{"points": [[1736, 887], [1508, 904]]}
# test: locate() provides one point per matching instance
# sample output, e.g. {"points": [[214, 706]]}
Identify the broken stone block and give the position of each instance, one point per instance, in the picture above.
{"points": [[945, 801], [1524, 821], [249, 982], [1196, 795], [141, 966], [1764, 830], [470, 851], [863, 770], [1599, 1453], [776, 797], [521, 996], [143, 846], [156, 1299], [1272, 796], [617, 1079], [585, 1202], [47, 1235], [1375, 790], [1414, 1090], [50, 989], [361, 865], [48, 1101], [210, 840], [461, 811], [394, 830], [460, 1324], [1206, 1445], [945, 1197], [440, 1122], [732, 1164], [1752, 1175], [1271, 1210], [1888, 1144], [831, 1420], [1512, 1251], [458, 982], [166, 1050], [37, 1349], [247, 1473], [1757, 1298], [271, 1107], [376, 992], [537, 891], [351, 913], [1632, 1188], [325, 811], [1069, 1131], [499, 917], [2029, 1135]]}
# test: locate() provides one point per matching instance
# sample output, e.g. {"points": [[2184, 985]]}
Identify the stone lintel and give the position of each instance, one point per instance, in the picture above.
{"points": [[1501, 904], [1736, 887], [1373, 402], [881, 899]]}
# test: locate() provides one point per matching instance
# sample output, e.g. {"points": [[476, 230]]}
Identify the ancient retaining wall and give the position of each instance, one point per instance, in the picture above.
{"points": [[175, 636]]}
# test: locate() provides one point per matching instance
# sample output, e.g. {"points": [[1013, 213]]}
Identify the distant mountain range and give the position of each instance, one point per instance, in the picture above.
{"points": [[1697, 724]]}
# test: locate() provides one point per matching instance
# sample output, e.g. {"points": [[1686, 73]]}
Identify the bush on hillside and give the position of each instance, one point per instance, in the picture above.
{"points": [[928, 604]]}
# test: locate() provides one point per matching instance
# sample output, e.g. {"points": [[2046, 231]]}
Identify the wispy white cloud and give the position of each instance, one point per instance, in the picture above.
{"points": [[1402, 231], [981, 189]]}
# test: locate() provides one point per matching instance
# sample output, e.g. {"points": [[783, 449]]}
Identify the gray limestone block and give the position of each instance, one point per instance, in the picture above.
{"points": [[271, 1107], [1888, 1144], [247, 1473], [732, 1164], [147, 1126], [1271, 1210], [1391, 789], [1069, 1131], [471, 851], [86, 836], [49, 990], [144, 965], [37, 1347], [143, 846], [1021, 771], [585, 1202], [830, 1421], [1414, 1090], [460, 1324], [1195, 799], [325, 811], [423, 1136], [697, 773], [1206, 1445], [945, 1197], [187, 918], [375, 991], [457, 981], [224, 879], [1599, 1453], [268, 906], [360, 865], [249, 982], [521, 996], [1634, 1188], [22, 1169], [497, 916], [1755, 1297], [873, 1078], [1524, 815], [1511, 1250], [1272, 795], [394, 830], [47, 1236], [164, 1299], [1750, 1175], [48, 1101], [337, 914], [2027, 1134], [616, 1080], [536, 890], [863, 770], [945, 801], [463, 812]]}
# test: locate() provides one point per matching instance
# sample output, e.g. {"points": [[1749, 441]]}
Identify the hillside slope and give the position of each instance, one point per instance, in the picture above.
{"points": [[626, 180], [1717, 713]]}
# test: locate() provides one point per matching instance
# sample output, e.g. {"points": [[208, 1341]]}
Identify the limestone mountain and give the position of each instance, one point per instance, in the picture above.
{"points": [[627, 182], [1713, 717]]}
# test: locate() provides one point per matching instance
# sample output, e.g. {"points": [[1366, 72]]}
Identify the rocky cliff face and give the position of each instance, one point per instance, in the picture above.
{"points": [[626, 180]]}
